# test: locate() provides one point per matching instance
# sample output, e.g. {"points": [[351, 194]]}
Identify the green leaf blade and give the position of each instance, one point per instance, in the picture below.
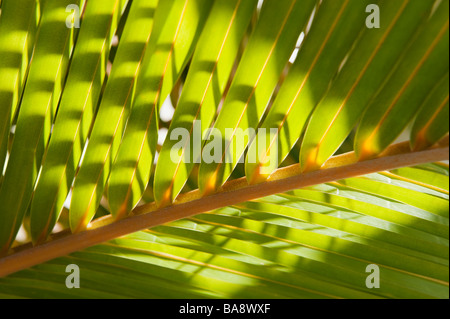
{"points": [[335, 27], [209, 71], [17, 32], [374, 56], [34, 121], [401, 97], [161, 68], [431, 124], [264, 60], [112, 114], [77, 106]]}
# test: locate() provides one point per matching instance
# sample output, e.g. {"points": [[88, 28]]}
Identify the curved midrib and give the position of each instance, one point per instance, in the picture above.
{"points": [[147, 216]]}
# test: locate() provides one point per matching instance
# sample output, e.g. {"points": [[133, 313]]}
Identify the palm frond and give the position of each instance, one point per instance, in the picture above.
{"points": [[300, 150], [310, 243]]}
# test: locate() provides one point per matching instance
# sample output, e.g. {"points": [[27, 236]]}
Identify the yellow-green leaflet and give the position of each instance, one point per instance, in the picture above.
{"points": [[335, 28], [209, 72], [425, 62], [112, 114], [162, 65], [263, 61], [47, 70], [359, 80], [76, 110], [431, 123], [17, 31]]}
